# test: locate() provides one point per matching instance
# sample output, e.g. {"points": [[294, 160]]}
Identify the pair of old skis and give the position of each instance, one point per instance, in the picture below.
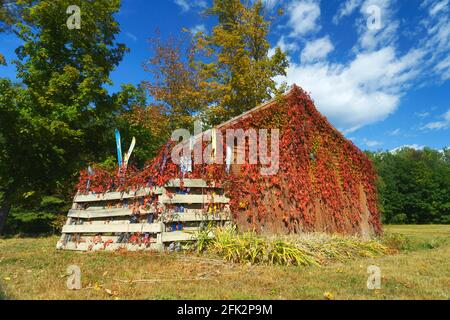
{"points": [[126, 159], [119, 157]]}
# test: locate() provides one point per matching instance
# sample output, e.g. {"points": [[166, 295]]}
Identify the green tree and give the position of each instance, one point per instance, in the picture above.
{"points": [[13, 168], [239, 64], [220, 75], [414, 185], [63, 116]]}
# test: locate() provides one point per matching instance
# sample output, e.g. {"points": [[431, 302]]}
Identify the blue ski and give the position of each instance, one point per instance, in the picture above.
{"points": [[119, 148]]}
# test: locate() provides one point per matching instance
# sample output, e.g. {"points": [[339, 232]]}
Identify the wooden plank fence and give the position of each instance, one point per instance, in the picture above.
{"points": [[120, 221]]}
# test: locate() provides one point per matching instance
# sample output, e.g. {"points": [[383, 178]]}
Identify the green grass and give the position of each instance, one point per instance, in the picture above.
{"points": [[31, 268], [413, 237]]}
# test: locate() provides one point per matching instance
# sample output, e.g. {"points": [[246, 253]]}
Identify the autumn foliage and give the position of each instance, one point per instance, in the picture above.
{"points": [[325, 183]]}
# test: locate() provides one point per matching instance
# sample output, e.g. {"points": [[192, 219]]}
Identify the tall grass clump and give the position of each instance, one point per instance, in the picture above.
{"points": [[285, 253], [204, 238], [316, 249], [238, 247], [340, 248]]}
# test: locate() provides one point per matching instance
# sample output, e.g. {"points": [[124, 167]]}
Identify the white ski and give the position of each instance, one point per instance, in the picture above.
{"points": [[130, 150]]}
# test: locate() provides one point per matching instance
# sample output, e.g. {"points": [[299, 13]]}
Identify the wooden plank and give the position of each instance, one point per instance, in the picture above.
{"points": [[193, 216], [87, 246], [113, 228], [185, 229], [176, 236], [190, 183], [108, 196], [104, 213], [192, 198], [175, 183], [89, 238], [108, 221], [187, 215]]}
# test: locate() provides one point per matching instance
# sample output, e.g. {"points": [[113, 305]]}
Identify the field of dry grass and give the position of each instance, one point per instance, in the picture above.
{"points": [[31, 268]]}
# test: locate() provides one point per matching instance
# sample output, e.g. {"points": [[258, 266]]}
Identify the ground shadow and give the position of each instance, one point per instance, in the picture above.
{"points": [[7, 236], [2, 294]]}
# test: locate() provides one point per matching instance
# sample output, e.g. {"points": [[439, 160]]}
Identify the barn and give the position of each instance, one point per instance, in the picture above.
{"points": [[320, 182]]}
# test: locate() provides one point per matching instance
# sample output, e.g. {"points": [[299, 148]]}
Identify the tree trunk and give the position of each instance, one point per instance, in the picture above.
{"points": [[4, 211]]}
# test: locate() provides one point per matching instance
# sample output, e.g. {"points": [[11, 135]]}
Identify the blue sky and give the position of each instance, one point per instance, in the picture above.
{"points": [[378, 69]]}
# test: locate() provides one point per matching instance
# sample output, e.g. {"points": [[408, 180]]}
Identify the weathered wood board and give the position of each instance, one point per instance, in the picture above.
{"points": [[102, 221], [109, 196], [192, 198], [113, 228]]}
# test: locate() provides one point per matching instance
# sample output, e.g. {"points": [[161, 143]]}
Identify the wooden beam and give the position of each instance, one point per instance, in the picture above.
{"points": [[104, 213], [108, 196], [176, 236], [193, 216], [113, 228], [175, 183], [192, 198], [190, 183], [87, 246], [187, 215]]}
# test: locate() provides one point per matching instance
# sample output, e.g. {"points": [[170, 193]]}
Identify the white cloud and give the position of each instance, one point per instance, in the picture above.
{"points": [[369, 87], [303, 17], [358, 93], [371, 39], [395, 132], [372, 143], [439, 6], [408, 146], [289, 47], [131, 36], [317, 50], [439, 125], [422, 114], [183, 4], [346, 9], [187, 5], [270, 4], [198, 28], [443, 68], [437, 44]]}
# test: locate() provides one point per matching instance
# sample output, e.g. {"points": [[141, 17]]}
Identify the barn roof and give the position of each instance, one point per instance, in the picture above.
{"points": [[264, 106], [246, 114]]}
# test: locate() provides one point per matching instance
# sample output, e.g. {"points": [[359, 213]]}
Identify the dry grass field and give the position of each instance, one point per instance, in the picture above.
{"points": [[31, 268]]}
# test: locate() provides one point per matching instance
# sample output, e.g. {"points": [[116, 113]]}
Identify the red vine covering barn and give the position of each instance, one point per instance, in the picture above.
{"points": [[324, 182]]}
